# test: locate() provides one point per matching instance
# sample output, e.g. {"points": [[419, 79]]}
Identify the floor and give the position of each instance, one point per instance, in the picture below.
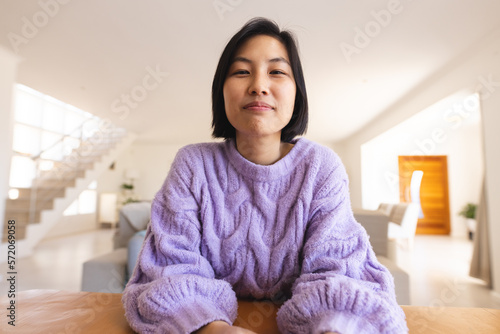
{"points": [[438, 268], [439, 273], [57, 262]]}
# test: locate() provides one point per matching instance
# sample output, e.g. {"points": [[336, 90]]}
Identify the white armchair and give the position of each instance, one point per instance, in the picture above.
{"points": [[403, 218]]}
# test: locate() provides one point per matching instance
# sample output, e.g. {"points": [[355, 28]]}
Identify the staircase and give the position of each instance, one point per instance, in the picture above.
{"points": [[38, 209]]}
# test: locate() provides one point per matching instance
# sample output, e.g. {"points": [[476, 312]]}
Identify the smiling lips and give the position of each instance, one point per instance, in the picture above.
{"points": [[258, 106]]}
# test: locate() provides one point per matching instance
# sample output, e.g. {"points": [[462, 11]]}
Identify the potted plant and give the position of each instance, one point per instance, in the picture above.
{"points": [[127, 186], [469, 213], [128, 193]]}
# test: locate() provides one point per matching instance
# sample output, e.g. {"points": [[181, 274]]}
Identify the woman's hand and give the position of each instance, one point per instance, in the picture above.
{"points": [[222, 327]]}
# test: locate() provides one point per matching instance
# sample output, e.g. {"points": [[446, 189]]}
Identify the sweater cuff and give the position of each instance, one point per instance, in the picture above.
{"points": [[342, 322], [194, 316]]}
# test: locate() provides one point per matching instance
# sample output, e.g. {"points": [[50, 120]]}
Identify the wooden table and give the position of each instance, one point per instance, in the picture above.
{"points": [[58, 312]]}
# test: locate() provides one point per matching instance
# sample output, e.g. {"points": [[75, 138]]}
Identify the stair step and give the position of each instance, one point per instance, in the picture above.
{"points": [[80, 160], [96, 142], [25, 204], [54, 183], [99, 142], [66, 174], [78, 165], [22, 217], [25, 193], [86, 153]]}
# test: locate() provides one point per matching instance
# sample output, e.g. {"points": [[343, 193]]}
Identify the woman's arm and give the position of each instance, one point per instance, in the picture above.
{"points": [[173, 288], [342, 286]]}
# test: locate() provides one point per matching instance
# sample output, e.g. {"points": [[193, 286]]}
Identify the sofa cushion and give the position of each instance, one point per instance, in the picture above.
{"points": [[134, 217], [134, 248], [105, 273]]}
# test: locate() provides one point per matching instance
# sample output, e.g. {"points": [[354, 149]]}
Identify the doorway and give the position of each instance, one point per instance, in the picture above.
{"points": [[434, 197]]}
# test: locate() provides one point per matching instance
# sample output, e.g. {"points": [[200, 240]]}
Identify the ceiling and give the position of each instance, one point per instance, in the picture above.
{"points": [[148, 65]]}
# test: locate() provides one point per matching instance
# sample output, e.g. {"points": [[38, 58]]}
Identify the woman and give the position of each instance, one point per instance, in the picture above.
{"points": [[261, 215]]}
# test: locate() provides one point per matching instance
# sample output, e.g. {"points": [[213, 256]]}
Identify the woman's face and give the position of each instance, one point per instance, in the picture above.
{"points": [[259, 91]]}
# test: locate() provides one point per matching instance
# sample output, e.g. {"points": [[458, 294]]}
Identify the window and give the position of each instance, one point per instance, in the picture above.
{"points": [[86, 202], [45, 128], [45, 131], [22, 172]]}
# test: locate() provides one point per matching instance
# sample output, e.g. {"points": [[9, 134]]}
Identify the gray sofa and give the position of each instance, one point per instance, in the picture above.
{"points": [[110, 272]]}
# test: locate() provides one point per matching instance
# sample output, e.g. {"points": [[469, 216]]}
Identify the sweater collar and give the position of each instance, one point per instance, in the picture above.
{"points": [[266, 172]]}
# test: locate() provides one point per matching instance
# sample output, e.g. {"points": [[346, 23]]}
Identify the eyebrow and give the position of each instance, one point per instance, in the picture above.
{"points": [[273, 60]]}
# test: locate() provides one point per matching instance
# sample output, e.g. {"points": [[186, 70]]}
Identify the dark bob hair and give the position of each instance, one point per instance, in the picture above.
{"points": [[259, 26]]}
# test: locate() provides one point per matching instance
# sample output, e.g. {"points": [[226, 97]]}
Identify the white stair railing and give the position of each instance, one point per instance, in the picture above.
{"points": [[95, 138]]}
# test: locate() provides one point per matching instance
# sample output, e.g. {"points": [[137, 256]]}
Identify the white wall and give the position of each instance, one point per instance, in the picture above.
{"points": [[74, 224], [8, 70], [477, 70], [152, 161], [436, 130]]}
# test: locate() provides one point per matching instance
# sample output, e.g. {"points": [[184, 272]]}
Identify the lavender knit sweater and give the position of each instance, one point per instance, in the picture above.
{"points": [[224, 228]]}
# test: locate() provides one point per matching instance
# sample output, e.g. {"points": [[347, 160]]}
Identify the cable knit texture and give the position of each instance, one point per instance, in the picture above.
{"points": [[224, 228]]}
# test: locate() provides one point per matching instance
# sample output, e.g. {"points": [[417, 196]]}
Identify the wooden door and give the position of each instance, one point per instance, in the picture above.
{"points": [[434, 197]]}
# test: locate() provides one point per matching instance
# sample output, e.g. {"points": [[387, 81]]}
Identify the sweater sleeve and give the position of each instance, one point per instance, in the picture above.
{"points": [[342, 287], [173, 288]]}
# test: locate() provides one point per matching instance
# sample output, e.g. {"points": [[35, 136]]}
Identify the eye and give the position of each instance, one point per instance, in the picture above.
{"points": [[240, 72], [278, 72]]}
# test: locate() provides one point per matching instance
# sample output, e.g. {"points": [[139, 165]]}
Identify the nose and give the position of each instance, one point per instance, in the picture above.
{"points": [[259, 85]]}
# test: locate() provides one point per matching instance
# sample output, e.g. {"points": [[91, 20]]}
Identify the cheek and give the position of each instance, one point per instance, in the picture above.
{"points": [[230, 96], [293, 92], [290, 104], [287, 91], [287, 95], [229, 103]]}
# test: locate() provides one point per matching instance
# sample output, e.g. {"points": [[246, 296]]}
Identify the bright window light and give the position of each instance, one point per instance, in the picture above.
{"points": [[69, 144], [72, 121], [46, 165], [28, 106], [53, 117], [72, 209], [13, 193], [87, 202], [26, 139], [45, 131], [22, 172]]}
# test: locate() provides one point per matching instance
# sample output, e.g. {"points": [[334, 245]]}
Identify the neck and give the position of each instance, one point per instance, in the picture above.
{"points": [[262, 150]]}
